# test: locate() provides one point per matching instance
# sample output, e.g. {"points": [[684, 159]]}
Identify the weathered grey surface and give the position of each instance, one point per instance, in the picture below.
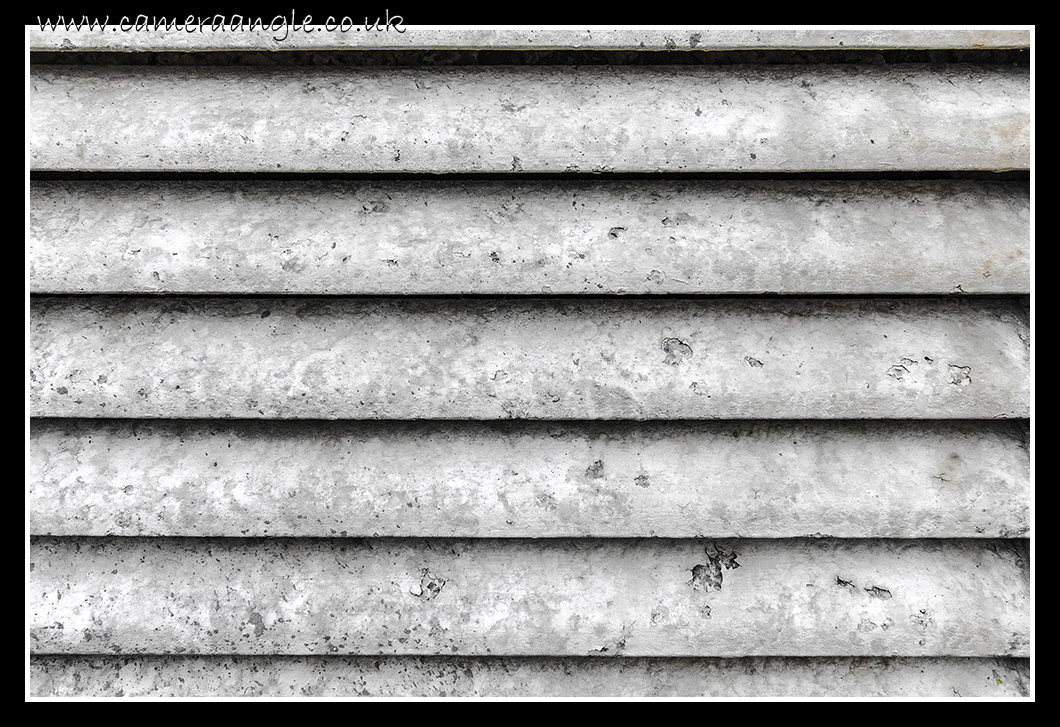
{"points": [[467, 479], [530, 119], [526, 358], [524, 238], [290, 37], [346, 676], [654, 597]]}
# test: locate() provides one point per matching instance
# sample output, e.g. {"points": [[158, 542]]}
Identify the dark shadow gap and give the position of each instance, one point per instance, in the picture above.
{"points": [[1017, 175], [503, 57]]}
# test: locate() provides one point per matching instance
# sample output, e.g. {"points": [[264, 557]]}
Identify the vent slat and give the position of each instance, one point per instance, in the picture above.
{"points": [[558, 237], [285, 33], [530, 119], [521, 479], [503, 597], [553, 358]]}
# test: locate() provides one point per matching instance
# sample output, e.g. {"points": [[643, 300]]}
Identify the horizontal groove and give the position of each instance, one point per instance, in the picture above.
{"points": [[513, 425], [499, 57], [572, 297], [1022, 299], [601, 178], [655, 597], [473, 237], [448, 676], [1017, 545], [529, 479]]}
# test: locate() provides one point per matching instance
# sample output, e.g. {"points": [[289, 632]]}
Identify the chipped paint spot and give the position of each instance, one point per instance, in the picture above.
{"points": [[258, 622], [429, 585], [708, 576], [960, 375], [676, 350]]}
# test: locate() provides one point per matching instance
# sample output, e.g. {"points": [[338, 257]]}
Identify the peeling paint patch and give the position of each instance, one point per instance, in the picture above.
{"points": [[921, 619], [595, 471], [676, 350], [900, 369], [708, 576], [897, 372], [429, 586], [960, 375], [641, 481], [699, 388], [257, 622], [753, 362], [879, 592]]}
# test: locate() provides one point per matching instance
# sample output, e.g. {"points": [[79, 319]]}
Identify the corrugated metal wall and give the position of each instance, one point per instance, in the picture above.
{"points": [[492, 365]]}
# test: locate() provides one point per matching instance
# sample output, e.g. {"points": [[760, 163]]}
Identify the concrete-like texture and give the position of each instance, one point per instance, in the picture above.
{"points": [[351, 676], [555, 237], [430, 613], [524, 479], [654, 597], [133, 35], [530, 119], [528, 358]]}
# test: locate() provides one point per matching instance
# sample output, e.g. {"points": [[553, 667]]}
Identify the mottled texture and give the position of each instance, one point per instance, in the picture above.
{"points": [[525, 479], [614, 237], [351, 676], [809, 597], [400, 34], [177, 404], [530, 119], [559, 358]]}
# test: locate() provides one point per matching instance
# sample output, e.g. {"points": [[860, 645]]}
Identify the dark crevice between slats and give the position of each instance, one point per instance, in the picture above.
{"points": [[504, 57], [1023, 299], [512, 425], [602, 178]]}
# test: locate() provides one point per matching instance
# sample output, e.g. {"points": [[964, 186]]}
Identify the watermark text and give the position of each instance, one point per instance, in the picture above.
{"points": [[281, 26]]}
